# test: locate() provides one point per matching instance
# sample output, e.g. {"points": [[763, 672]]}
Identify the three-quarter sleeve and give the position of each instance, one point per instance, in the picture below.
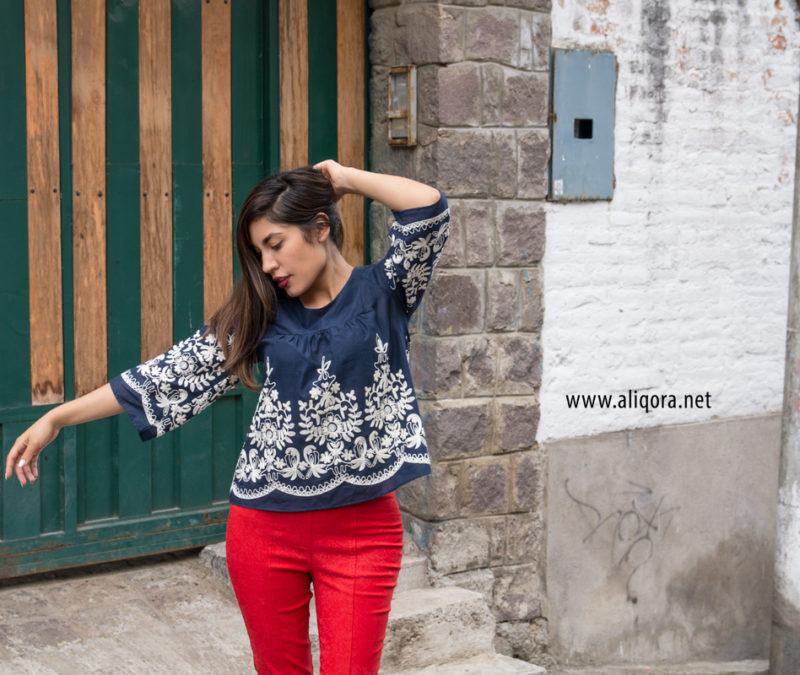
{"points": [[417, 237], [164, 392]]}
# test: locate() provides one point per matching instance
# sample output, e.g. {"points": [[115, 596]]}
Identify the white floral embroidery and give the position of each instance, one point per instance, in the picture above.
{"points": [[270, 431], [166, 381], [412, 257], [330, 421], [330, 417]]}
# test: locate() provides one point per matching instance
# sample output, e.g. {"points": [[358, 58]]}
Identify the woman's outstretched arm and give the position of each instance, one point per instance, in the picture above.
{"points": [[24, 454], [396, 192]]}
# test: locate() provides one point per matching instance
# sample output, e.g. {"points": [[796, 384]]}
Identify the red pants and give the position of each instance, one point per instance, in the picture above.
{"points": [[352, 554]]}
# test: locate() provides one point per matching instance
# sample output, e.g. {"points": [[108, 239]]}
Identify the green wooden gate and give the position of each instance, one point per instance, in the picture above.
{"points": [[102, 494]]}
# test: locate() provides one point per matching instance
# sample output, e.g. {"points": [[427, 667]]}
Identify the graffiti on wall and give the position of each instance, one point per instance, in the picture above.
{"points": [[637, 522]]}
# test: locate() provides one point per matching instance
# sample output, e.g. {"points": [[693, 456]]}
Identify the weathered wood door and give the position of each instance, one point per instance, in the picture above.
{"points": [[130, 133]]}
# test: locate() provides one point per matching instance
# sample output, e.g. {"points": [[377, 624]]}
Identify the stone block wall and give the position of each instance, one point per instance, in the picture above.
{"points": [[476, 358]]}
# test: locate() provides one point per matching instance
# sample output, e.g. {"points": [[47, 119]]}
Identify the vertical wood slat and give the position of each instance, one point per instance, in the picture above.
{"points": [[217, 180], [293, 27], [44, 218], [350, 87], [89, 198], [155, 157]]}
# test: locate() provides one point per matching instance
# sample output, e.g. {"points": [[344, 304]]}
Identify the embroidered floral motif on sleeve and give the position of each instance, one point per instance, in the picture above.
{"points": [[180, 383], [413, 254]]}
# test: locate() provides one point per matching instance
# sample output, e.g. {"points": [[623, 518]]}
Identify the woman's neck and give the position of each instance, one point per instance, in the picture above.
{"points": [[330, 282]]}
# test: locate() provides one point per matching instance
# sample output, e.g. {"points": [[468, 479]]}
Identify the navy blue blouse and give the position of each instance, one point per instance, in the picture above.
{"points": [[337, 420]]}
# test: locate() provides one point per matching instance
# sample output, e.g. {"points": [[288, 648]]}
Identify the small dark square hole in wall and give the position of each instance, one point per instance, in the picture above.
{"points": [[583, 128]]}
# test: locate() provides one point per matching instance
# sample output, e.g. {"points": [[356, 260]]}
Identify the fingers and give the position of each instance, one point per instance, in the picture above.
{"points": [[22, 461]]}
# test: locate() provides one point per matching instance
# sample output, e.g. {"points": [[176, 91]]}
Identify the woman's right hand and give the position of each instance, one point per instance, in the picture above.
{"points": [[24, 454]]}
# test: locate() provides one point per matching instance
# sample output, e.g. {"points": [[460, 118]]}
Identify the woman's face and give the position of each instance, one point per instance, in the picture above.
{"points": [[293, 262]]}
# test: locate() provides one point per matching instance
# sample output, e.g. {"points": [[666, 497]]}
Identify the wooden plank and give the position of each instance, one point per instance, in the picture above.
{"points": [[350, 104], [293, 28], [155, 157], [44, 217], [217, 181], [89, 194]]}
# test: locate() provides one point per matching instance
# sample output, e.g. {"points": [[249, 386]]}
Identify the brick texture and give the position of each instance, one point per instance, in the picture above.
{"points": [[475, 355]]}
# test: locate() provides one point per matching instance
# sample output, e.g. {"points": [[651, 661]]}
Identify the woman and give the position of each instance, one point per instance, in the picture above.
{"points": [[336, 429]]}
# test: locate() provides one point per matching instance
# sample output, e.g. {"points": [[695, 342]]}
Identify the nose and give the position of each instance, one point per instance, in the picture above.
{"points": [[268, 264]]}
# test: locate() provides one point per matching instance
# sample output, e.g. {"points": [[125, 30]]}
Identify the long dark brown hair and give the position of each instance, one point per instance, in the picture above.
{"points": [[296, 197]]}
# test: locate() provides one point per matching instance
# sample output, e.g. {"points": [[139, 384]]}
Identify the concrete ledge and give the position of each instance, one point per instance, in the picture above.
{"points": [[752, 667], [493, 664]]}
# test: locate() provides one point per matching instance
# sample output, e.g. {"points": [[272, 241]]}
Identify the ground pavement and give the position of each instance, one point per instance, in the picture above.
{"points": [[169, 614]]}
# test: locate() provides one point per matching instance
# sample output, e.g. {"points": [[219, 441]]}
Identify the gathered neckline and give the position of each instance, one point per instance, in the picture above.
{"points": [[325, 308]]}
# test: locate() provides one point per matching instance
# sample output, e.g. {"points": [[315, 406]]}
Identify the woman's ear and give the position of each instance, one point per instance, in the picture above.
{"points": [[323, 230]]}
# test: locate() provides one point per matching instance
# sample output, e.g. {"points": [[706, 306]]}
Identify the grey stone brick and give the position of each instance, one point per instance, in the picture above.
{"points": [[478, 225], [520, 232], [519, 363], [492, 34], [485, 485], [452, 545], [497, 539], [457, 429], [381, 37], [540, 5], [527, 486], [454, 303], [429, 33], [479, 365], [517, 593], [526, 640], [459, 88], [534, 154], [428, 94], [436, 366], [525, 99], [453, 253], [376, 4], [379, 217], [457, 163], [531, 299], [535, 36], [503, 168], [493, 81], [502, 300], [517, 422], [431, 497], [524, 538]]}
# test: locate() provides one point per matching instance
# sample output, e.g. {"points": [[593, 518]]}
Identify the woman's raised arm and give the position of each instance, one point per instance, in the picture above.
{"points": [[24, 454], [396, 192]]}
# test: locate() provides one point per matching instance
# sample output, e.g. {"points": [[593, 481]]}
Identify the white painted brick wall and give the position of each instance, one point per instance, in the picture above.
{"points": [[680, 284]]}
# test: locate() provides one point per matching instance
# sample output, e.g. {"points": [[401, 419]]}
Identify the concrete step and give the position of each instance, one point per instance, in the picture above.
{"points": [[751, 667], [429, 626], [491, 664]]}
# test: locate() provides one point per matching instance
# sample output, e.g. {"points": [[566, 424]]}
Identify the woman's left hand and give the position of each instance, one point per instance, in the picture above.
{"points": [[336, 174]]}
